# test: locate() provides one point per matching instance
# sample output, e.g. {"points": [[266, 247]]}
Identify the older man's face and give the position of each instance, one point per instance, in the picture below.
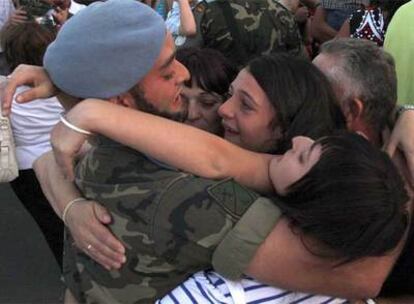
{"points": [[161, 87]]}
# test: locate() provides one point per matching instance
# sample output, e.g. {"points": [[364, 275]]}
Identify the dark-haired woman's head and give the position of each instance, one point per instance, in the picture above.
{"points": [[26, 43], [275, 98], [211, 75], [343, 195]]}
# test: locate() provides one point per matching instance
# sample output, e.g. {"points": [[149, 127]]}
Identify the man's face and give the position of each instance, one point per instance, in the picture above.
{"points": [[161, 87]]}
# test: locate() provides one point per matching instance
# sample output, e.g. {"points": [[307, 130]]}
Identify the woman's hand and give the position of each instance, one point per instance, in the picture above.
{"points": [[87, 222], [30, 75]]}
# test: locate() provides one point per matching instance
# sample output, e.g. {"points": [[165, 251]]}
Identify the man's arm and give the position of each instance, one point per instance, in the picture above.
{"points": [[403, 139], [320, 28], [187, 22], [86, 220], [276, 255], [344, 32]]}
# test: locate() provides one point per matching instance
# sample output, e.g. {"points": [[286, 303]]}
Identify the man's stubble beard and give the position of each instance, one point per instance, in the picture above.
{"points": [[144, 105]]}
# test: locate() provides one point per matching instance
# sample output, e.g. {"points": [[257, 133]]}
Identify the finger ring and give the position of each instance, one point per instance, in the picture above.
{"points": [[89, 247]]}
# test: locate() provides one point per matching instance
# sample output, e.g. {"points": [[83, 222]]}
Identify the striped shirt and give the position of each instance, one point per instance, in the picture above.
{"points": [[343, 4], [209, 287]]}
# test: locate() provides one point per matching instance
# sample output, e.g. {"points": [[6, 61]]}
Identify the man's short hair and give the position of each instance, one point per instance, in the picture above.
{"points": [[364, 71]]}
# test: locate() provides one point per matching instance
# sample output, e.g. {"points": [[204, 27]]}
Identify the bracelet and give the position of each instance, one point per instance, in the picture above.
{"points": [[403, 108], [69, 205], [73, 127]]}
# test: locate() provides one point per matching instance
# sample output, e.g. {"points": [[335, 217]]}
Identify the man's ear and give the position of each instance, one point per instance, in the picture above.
{"points": [[125, 100], [354, 113]]}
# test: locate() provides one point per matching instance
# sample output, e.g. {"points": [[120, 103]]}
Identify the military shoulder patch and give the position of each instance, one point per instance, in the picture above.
{"points": [[234, 198]]}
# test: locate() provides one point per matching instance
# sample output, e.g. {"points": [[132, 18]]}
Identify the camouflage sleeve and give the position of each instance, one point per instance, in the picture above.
{"points": [[214, 30], [196, 215], [265, 27], [233, 254]]}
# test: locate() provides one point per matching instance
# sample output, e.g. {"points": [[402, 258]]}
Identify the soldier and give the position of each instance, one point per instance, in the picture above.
{"points": [[244, 29], [132, 58]]}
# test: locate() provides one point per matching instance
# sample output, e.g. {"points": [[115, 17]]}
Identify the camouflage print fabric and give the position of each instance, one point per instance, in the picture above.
{"points": [[265, 27], [35, 8], [169, 221]]}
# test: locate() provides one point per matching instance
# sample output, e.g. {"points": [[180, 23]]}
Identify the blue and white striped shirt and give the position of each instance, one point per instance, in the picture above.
{"points": [[209, 287]]}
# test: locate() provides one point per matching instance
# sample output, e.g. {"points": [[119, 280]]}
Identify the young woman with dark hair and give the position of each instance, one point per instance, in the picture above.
{"points": [[211, 75], [298, 96], [342, 196], [351, 197]]}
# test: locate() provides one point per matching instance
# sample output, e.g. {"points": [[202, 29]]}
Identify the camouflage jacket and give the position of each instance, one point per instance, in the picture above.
{"points": [[264, 27], [169, 221]]}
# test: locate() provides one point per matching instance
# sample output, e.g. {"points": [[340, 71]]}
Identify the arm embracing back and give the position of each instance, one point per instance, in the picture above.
{"points": [[282, 260], [187, 148], [56, 188]]}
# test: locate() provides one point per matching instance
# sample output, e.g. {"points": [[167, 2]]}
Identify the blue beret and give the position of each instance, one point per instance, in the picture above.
{"points": [[105, 49]]}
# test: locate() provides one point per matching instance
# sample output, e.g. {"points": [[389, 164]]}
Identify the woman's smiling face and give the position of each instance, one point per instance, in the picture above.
{"points": [[248, 116]]}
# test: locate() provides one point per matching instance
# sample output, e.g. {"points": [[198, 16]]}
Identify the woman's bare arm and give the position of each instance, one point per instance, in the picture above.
{"points": [[184, 147], [86, 220], [282, 260], [187, 22], [344, 32]]}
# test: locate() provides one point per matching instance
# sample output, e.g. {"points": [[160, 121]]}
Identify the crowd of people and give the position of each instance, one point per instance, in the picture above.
{"points": [[224, 151]]}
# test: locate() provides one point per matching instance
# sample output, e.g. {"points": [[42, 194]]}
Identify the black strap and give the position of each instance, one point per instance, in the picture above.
{"points": [[234, 30]]}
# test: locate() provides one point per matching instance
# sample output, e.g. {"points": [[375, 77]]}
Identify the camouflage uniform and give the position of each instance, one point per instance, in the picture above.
{"points": [[265, 27], [169, 221]]}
